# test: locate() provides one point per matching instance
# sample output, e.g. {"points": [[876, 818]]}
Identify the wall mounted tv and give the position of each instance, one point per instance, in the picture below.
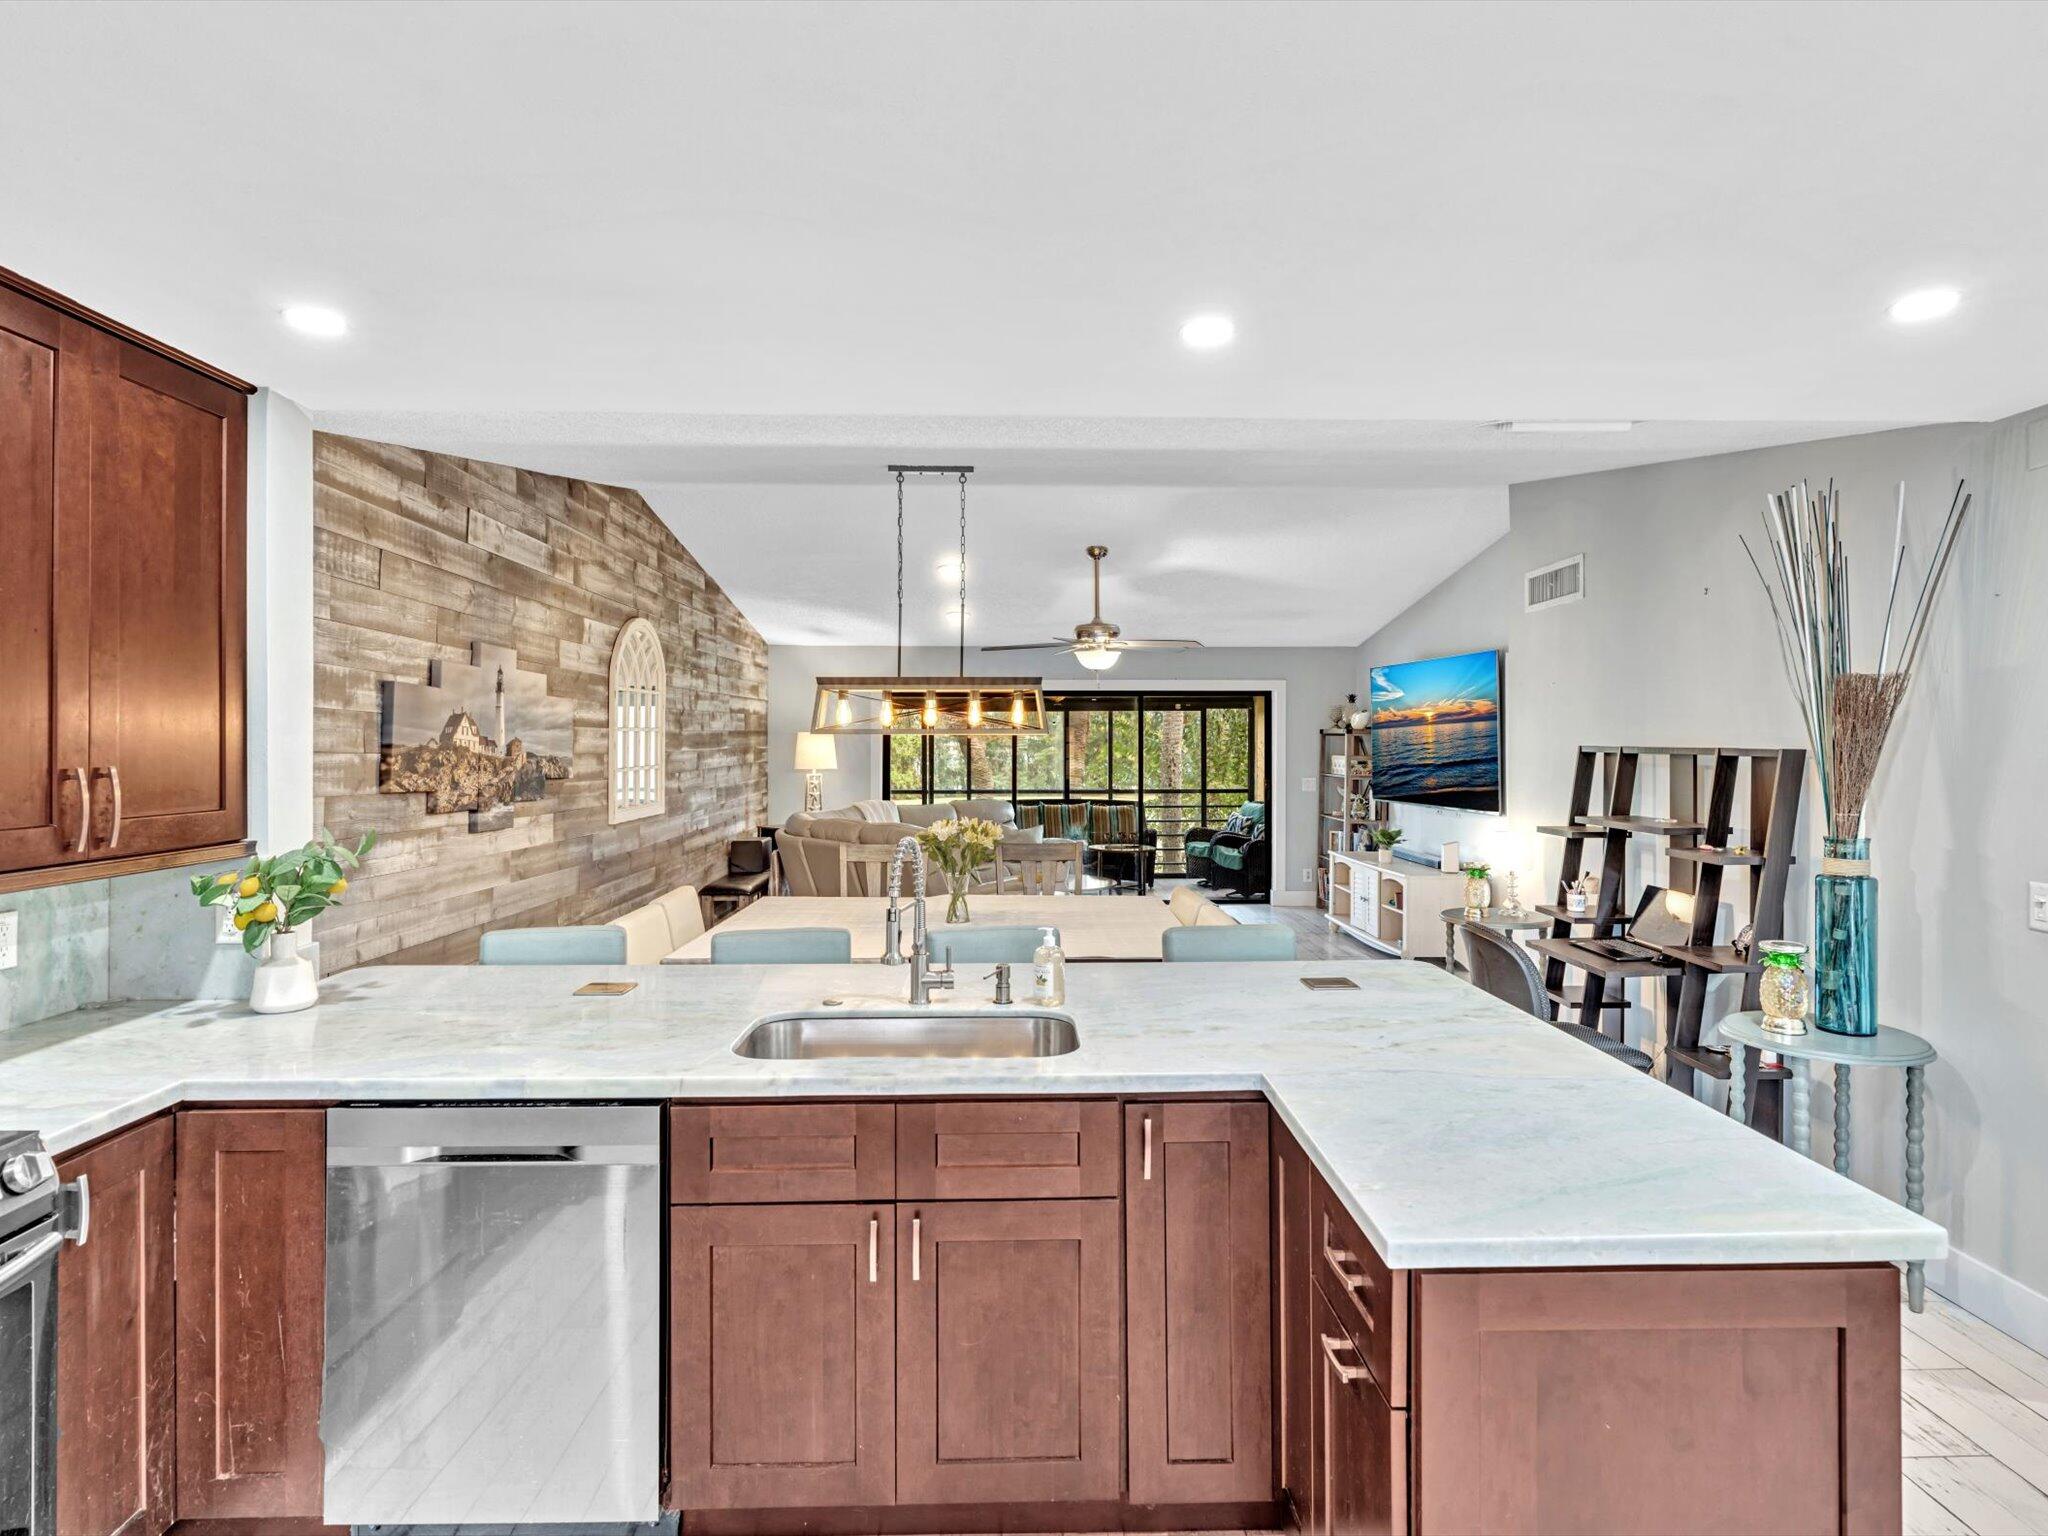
{"points": [[1436, 733]]}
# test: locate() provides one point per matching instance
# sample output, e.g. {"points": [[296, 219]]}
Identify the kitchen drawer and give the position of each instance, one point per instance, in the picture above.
{"points": [[1012, 1149], [764, 1154], [1370, 1299]]}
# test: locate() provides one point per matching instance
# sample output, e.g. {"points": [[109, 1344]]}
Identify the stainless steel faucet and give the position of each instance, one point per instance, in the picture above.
{"points": [[923, 979]]}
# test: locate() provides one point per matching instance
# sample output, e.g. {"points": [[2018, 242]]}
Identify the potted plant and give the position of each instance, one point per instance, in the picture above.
{"points": [[959, 847], [1478, 891], [273, 900], [1384, 839]]}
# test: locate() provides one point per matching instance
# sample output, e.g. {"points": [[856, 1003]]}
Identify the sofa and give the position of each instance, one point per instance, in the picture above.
{"points": [[808, 844], [1235, 857]]}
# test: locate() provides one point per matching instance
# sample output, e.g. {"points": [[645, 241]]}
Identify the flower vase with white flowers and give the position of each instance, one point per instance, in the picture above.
{"points": [[959, 847]]}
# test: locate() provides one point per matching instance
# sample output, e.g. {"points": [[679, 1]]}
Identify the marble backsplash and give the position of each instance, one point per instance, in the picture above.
{"points": [[133, 939]]}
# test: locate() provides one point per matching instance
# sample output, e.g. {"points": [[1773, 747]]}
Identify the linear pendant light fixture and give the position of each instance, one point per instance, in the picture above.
{"points": [[929, 706]]}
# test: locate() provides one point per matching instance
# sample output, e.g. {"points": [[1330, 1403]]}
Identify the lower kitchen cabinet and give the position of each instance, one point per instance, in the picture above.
{"points": [[1293, 1348], [251, 1311], [1198, 1207], [782, 1350], [1009, 1352], [1358, 1446], [116, 1344]]}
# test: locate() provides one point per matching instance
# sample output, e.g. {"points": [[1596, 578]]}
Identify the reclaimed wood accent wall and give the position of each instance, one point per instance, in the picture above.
{"points": [[418, 554]]}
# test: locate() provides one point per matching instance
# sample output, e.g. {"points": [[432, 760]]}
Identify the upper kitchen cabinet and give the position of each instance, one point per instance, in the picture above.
{"points": [[123, 471]]}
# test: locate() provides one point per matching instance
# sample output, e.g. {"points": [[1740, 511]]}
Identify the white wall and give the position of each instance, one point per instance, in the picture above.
{"points": [[1305, 680], [280, 622], [1673, 644]]}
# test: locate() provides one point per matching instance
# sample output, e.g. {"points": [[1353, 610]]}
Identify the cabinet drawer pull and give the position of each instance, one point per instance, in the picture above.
{"points": [[1353, 1280], [1147, 1157], [916, 1243], [84, 807], [1345, 1373], [113, 774], [874, 1250]]}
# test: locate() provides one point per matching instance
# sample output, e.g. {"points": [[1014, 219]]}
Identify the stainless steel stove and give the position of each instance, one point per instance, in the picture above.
{"points": [[37, 1216]]}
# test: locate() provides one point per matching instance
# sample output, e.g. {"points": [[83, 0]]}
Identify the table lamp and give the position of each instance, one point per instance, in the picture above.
{"points": [[814, 754]]}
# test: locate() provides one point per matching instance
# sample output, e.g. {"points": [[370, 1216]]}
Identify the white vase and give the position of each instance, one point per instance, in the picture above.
{"points": [[1385, 855], [286, 981]]}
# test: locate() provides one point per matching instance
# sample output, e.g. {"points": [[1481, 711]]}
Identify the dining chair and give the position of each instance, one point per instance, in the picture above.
{"points": [[553, 946], [1239, 941], [782, 946], [985, 946], [1500, 966]]}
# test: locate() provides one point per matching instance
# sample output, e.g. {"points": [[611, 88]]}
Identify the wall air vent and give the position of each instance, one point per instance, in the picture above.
{"points": [[1563, 582]]}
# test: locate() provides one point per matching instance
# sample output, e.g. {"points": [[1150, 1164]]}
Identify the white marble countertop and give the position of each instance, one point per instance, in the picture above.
{"points": [[1460, 1133]]}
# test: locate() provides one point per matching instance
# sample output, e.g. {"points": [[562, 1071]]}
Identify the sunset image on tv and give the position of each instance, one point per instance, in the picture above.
{"points": [[1436, 732]]}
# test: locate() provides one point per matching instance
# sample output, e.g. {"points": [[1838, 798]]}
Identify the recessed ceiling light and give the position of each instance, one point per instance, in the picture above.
{"points": [[1565, 426], [314, 320], [1205, 333], [1925, 304]]}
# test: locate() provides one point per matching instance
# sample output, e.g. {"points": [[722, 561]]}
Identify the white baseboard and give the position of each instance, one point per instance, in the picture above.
{"points": [[2005, 1303], [1293, 898]]}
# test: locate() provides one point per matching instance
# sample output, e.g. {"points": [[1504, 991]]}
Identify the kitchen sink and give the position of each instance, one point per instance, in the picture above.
{"points": [[835, 1033]]}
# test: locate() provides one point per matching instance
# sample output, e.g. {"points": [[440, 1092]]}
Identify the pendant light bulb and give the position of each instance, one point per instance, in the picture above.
{"points": [[973, 711], [1016, 709], [931, 710], [845, 709], [888, 710]]}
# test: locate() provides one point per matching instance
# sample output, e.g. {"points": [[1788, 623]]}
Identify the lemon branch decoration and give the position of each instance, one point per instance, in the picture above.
{"points": [[286, 891]]}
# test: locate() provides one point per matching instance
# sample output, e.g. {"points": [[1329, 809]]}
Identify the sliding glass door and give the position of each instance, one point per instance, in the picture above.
{"points": [[1183, 759]]}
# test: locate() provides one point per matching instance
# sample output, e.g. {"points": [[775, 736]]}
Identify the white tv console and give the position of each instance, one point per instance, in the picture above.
{"points": [[1394, 906]]}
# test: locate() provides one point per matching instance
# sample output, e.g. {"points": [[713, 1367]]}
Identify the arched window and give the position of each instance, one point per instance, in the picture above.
{"points": [[639, 695]]}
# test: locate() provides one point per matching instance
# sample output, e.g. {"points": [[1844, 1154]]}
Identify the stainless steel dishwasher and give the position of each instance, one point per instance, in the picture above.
{"points": [[493, 1314]]}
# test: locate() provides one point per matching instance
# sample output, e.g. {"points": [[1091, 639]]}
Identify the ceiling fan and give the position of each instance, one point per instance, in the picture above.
{"points": [[1098, 643]]}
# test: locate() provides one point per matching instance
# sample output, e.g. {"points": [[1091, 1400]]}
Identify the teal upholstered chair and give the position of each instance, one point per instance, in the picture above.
{"points": [[782, 946], [553, 946], [1238, 941], [984, 946]]}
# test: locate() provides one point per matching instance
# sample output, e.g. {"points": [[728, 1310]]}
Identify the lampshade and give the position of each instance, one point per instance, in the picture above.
{"points": [[815, 752]]}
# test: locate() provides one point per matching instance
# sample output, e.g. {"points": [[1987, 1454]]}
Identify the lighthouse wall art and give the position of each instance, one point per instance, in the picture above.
{"points": [[479, 736]]}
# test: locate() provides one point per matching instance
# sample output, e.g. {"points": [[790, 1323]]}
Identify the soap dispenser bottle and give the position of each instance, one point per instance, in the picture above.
{"points": [[1048, 969]]}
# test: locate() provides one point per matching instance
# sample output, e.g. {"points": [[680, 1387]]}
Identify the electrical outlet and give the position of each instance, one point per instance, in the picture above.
{"points": [[224, 930], [10, 928], [2037, 905], [1308, 786]]}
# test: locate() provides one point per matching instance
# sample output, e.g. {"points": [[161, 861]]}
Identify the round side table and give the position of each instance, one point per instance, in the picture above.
{"points": [[1492, 917], [1895, 1048]]}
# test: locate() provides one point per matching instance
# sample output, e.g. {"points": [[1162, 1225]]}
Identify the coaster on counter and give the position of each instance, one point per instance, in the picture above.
{"points": [[1329, 983], [605, 988]]}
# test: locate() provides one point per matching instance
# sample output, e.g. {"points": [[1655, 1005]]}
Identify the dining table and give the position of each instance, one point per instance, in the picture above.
{"points": [[1091, 927]]}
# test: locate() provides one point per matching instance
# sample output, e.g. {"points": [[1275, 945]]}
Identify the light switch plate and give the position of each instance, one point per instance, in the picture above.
{"points": [[10, 929], [224, 931], [2037, 905], [1308, 786]]}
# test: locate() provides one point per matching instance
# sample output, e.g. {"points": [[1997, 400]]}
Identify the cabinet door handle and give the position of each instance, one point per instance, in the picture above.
{"points": [[916, 1245], [1146, 1159], [874, 1247], [1345, 1373], [84, 807], [114, 782]]}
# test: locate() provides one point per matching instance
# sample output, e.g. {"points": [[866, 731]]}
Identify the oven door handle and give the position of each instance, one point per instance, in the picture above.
{"points": [[23, 1265]]}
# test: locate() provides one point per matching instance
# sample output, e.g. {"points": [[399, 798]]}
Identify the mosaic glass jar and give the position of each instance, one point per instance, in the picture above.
{"points": [[1783, 989]]}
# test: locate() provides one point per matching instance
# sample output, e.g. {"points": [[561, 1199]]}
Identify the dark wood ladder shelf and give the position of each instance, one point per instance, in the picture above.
{"points": [[1655, 826]]}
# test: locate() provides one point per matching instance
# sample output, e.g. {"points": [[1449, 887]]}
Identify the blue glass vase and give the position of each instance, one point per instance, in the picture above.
{"points": [[1845, 938]]}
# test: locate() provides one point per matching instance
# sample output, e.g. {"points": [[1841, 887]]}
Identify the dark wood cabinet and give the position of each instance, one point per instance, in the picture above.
{"points": [[1199, 1297], [123, 472], [1293, 1345], [1006, 1149], [251, 1311], [1358, 1446], [782, 1352], [1009, 1352], [117, 1343], [762, 1154]]}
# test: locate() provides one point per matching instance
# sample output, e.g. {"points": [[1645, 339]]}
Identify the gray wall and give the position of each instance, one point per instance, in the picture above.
{"points": [[1314, 678], [1673, 644]]}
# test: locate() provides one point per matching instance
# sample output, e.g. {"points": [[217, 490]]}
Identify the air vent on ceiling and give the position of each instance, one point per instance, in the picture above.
{"points": [[1564, 582]]}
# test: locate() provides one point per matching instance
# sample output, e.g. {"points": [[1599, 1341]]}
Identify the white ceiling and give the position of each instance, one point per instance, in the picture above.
{"points": [[674, 245]]}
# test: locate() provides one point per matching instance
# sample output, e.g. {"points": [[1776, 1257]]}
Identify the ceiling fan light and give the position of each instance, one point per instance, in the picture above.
{"points": [[1096, 658]]}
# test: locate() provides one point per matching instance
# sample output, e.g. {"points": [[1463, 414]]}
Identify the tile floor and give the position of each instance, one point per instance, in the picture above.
{"points": [[1974, 1436]]}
